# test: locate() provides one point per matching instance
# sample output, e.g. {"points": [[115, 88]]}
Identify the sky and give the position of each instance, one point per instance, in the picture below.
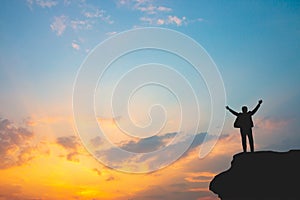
{"points": [[45, 45]]}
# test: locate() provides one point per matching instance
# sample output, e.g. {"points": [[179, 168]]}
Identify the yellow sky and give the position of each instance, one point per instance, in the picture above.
{"points": [[49, 165]]}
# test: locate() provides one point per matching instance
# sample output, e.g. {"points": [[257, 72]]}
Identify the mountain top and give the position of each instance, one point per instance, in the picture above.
{"points": [[260, 175]]}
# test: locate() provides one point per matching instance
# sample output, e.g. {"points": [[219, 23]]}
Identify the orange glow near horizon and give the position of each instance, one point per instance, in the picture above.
{"points": [[50, 175], [55, 171]]}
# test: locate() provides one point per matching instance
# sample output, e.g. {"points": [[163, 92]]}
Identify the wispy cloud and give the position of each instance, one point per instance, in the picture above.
{"points": [[151, 9], [88, 16], [169, 20], [42, 3], [175, 20], [144, 6], [164, 9], [199, 177], [59, 25], [75, 46], [95, 12], [46, 4], [153, 13], [148, 20], [81, 24], [271, 124]]}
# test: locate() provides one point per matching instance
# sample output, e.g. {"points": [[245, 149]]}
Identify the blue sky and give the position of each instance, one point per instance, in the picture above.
{"points": [[248, 40], [255, 45]]}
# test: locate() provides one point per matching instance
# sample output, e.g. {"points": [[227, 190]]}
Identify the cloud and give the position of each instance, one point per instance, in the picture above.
{"points": [[30, 122], [105, 174], [120, 3], [42, 3], [110, 178], [276, 133], [189, 177], [88, 18], [15, 144], [72, 145], [45, 3], [175, 20], [96, 142], [199, 177], [160, 22], [168, 20], [173, 151], [97, 171], [164, 9], [120, 159], [75, 46], [271, 124], [141, 146], [117, 158], [145, 6], [148, 144], [92, 12], [98, 13], [68, 142], [152, 13], [155, 14], [81, 24], [148, 20], [59, 25], [151, 9]]}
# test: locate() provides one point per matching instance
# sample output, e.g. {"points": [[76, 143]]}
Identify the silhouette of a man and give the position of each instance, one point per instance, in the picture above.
{"points": [[245, 123]]}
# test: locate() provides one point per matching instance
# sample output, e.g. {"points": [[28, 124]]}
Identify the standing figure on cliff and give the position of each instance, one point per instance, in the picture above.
{"points": [[245, 123]]}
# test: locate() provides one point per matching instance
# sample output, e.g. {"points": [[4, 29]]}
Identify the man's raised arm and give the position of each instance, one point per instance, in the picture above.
{"points": [[232, 111], [256, 108]]}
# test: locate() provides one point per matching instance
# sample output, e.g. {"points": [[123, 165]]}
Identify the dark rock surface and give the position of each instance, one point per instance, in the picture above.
{"points": [[260, 175]]}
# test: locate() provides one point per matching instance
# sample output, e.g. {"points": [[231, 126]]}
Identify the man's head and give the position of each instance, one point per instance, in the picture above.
{"points": [[244, 109]]}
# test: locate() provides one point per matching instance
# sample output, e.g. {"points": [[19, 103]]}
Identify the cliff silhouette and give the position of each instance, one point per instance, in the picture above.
{"points": [[260, 175]]}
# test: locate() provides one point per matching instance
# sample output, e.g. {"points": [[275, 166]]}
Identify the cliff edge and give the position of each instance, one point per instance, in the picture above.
{"points": [[260, 175]]}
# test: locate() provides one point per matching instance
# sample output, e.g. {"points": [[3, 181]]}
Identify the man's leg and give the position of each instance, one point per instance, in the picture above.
{"points": [[250, 137], [243, 135]]}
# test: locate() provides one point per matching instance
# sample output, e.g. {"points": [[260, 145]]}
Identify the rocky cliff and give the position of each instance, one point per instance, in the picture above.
{"points": [[260, 175]]}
